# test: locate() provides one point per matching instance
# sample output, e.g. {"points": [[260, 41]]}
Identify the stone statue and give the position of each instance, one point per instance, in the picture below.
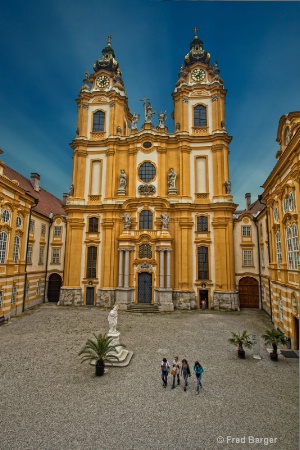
{"points": [[127, 221], [149, 112], [171, 178], [135, 119], [113, 319], [71, 190], [165, 221], [162, 117], [123, 179], [227, 185]]}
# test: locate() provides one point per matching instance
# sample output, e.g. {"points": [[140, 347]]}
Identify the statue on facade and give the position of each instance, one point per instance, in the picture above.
{"points": [[71, 190], [127, 221], [123, 179], [165, 221], [135, 119], [149, 112], [113, 319], [171, 180], [227, 185], [162, 117]]}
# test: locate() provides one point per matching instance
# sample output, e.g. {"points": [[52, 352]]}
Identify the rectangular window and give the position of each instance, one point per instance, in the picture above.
{"points": [[202, 224], [29, 255], [91, 262], [200, 116], [57, 231], [93, 224], [247, 257], [43, 229], [55, 255], [13, 295], [27, 291], [246, 230], [1, 298], [31, 226], [203, 263], [38, 288], [41, 255]]}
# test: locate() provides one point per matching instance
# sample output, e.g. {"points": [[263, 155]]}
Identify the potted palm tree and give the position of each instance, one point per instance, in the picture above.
{"points": [[99, 350], [274, 337], [241, 340]]}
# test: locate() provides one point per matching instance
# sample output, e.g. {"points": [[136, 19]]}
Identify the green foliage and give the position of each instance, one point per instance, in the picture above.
{"points": [[99, 349], [274, 337], [241, 340]]}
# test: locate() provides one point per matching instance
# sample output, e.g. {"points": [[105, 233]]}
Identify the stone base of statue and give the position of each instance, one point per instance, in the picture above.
{"points": [[121, 191], [172, 190], [122, 354], [163, 298], [124, 297]]}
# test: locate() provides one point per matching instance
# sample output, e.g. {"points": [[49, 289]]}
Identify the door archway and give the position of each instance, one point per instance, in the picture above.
{"points": [[248, 293], [54, 285], [145, 287]]}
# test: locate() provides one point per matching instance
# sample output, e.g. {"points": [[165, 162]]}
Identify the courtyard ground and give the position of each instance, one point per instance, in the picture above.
{"points": [[49, 400]]}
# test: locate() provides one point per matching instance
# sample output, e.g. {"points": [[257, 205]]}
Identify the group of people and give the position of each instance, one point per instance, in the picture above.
{"points": [[180, 369]]}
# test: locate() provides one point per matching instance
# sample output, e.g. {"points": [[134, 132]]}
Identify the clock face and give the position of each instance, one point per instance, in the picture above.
{"points": [[198, 75], [102, 81]]}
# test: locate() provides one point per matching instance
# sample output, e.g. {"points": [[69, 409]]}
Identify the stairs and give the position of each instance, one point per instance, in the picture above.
{"points": [[143, 308]]}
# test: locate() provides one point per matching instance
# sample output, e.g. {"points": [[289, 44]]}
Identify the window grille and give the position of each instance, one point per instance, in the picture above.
{"points": [[13, 294], [38, 288], [29, 254], [93, 224], [31, 226], [91, 262], [200, 116], [18, 222], [246, 230], [203, 263], [145, 251], [41, 255], [16, 249], [147, 172], [27, 291], [55, 256], [247, 257], [57, 231], [146, 220], [1, 298], [278, 248], [3, 244], [98, 121], [43, 229], [202, 223]]}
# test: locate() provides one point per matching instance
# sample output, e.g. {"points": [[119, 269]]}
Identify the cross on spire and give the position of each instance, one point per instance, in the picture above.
{"points": [[195, 31], [109, 39]]}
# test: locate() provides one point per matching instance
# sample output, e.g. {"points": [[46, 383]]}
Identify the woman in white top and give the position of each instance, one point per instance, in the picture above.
{"points": [[176, 371]]}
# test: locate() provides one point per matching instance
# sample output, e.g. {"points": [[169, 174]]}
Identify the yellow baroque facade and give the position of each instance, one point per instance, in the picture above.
{"points": [[280, 286], [150, 212]]}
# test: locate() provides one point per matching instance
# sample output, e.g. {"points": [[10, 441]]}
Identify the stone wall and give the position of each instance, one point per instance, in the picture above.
{"points": [[225, 301], [70, 297], [184, 300]]}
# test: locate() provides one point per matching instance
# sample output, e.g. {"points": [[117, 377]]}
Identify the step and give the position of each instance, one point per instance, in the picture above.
{"points": [[143, 308]]}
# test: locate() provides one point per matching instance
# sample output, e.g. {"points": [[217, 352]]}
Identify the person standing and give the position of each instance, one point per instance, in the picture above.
{"points": [[175, 371], [185, 372], [165, 367], [198, 369]]}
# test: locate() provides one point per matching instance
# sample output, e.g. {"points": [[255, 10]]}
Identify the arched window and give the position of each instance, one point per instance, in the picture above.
{"points": [[5, 216], [91, 262], [203, 263], [146, 220], [202, 224], [292, 246], [278, 248], [16, 249], [200, 116], [93, 224], [3, 244], [98, 121], [291, 201]]}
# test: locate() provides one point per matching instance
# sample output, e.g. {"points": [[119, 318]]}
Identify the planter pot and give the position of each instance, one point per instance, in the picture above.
{"points": [[274, 356], [99, 370], [241, 354]]}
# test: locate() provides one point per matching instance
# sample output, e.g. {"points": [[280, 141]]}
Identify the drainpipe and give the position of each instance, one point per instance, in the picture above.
{"points": [[47, 255], [259, 262], [25, 276]]}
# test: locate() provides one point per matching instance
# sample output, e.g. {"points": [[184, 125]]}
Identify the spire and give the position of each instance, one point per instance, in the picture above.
{"points": [[108, 61], [196, 53]]}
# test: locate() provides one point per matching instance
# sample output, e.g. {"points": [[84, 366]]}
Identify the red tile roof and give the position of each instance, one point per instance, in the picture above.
{"points": [[47, 204], [255, 208]]}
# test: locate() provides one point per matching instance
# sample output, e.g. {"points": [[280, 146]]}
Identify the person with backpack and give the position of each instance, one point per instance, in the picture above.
{"points": [[175, 371], [185, 372], [165, 367], [198, 369]]}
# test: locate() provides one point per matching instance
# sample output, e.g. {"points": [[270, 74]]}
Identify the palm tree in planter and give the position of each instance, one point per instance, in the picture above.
{"points": [[241, 340], [99, 350], [274, 337]]}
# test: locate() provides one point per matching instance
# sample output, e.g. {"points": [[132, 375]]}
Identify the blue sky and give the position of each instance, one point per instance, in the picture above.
{"points": [[47, 46]]}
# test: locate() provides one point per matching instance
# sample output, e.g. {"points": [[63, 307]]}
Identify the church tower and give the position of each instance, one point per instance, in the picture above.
{"points": [[150, 213]]}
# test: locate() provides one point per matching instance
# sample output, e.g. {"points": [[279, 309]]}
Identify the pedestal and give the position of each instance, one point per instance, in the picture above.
{"points": [[124, 297], [164, 300]]}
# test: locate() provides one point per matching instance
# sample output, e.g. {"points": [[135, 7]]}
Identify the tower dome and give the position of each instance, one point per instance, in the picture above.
{"points": [[196, 53], [108, 61]]}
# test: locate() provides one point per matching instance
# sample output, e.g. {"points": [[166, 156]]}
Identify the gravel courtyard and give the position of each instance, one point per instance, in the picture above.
{"points": [[49, 400]]}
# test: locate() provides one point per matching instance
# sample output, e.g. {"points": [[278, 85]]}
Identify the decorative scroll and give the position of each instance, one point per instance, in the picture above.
{"points": [[147, 189]]}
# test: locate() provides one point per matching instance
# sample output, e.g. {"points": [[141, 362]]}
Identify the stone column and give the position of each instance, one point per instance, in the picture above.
{"points": [[126, 271], [121, 275], [168, 274], [161, 271]]}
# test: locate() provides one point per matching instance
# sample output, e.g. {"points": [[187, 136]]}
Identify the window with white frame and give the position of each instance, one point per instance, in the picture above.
{"points": [[247, 257], [16, 249], [29, 254], [292, 246], [280, 305], [27, 291], [57, 231], [31, 226], [3, 245], [18, 222], [246, 230], [55, 255], [41, 255], [276, 216], [13, 294], [43, 229], [285, 205], [1, 298], [5, 216], [38, 288], [278, 248], [291, 200]]}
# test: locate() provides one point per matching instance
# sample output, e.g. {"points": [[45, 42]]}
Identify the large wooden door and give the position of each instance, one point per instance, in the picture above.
{"points": [[54, 284], [248, 293], [145, 287]]}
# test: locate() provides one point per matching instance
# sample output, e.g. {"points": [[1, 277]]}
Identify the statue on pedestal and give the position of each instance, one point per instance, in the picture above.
{"points": [[127, 221], [113, 319], [165, 221], [171, 180]]}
